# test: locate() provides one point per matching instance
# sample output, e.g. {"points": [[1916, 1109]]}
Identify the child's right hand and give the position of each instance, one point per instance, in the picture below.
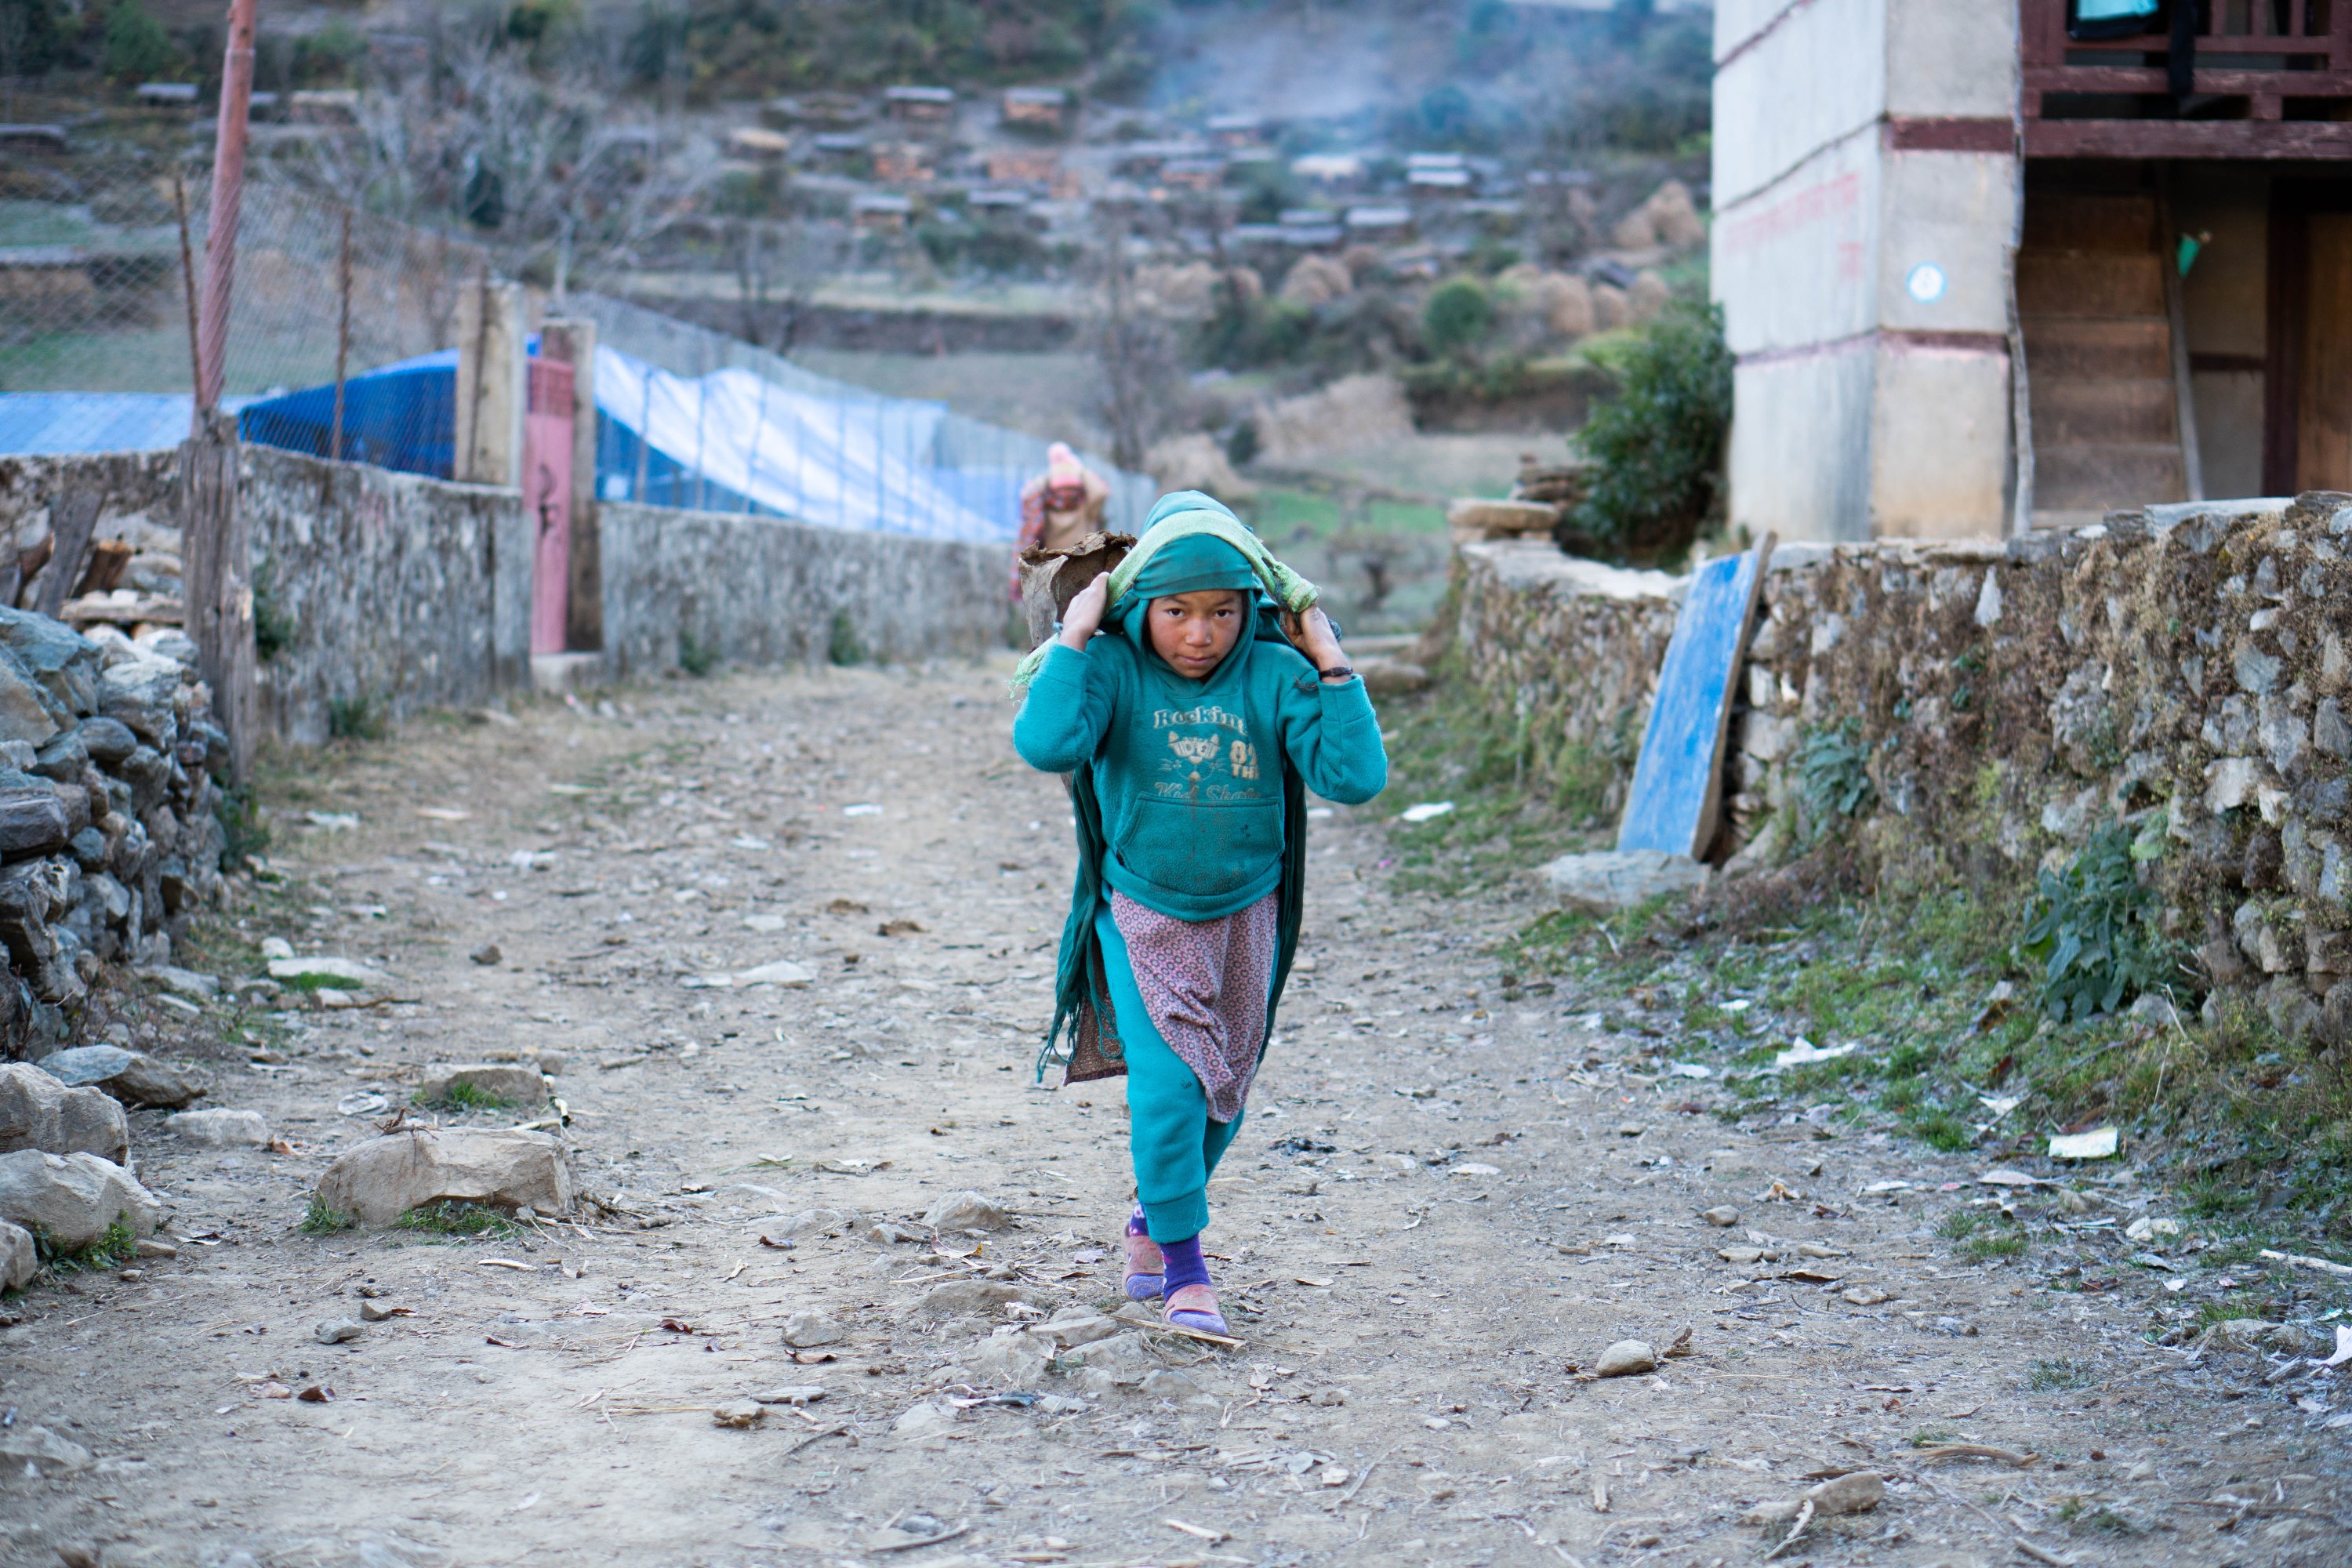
{"points": [[1084, 615]]}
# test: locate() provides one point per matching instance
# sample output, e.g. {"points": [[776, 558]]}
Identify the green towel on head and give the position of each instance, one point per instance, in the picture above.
{"points": [[1183, 515]]}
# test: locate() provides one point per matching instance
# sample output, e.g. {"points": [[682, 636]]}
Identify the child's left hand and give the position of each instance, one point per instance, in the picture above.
{"points": [[1312, 635]]}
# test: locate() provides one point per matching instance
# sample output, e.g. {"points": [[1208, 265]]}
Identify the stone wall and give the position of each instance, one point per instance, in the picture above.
{"points": [[146, 482], [401, 593], [392, 590], [2012, 700], [758, 591]]}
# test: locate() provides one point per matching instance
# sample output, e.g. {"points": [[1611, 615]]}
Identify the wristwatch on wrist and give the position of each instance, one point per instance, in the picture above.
{"points": [[1338, 672]]}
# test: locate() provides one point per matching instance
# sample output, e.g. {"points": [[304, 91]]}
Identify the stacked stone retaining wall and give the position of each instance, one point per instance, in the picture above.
{"points": [[2011, 699]]}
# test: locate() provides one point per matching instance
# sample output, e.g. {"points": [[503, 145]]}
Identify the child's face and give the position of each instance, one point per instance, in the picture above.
{"points": [[1193, 632]]}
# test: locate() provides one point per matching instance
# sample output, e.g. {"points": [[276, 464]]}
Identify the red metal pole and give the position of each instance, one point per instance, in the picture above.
{"points": [[228, 191]]}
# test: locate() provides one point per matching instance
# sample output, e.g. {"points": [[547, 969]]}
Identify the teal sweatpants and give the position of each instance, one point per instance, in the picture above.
{"points": [[1176, 1146]]}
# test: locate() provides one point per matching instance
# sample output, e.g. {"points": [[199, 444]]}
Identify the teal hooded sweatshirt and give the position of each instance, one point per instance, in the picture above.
{"points": [[1188, 773]]}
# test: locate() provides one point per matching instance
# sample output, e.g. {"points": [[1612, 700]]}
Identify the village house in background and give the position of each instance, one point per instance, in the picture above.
{"points": [[1993, 267]]}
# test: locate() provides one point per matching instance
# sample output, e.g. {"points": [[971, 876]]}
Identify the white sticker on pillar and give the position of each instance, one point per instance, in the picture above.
{"points": [[1925, 282]]}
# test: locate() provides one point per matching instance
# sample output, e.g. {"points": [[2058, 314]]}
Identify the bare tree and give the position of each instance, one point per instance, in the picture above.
{"points": [[779, 266], [1136, 370], [548, 165]]}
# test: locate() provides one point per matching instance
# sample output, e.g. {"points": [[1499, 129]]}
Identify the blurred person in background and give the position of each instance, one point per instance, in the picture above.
{"points": [[1060, 505]]}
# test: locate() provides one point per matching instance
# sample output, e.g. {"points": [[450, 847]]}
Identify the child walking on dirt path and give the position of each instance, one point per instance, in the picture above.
{"points": [[1192, 729]]}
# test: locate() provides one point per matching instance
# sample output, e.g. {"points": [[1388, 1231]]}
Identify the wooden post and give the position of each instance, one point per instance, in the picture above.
{"points": [[188, 284], [490, 384], [343, 337], [217, 585], [574, 342], [73, 517], [228, 195]]}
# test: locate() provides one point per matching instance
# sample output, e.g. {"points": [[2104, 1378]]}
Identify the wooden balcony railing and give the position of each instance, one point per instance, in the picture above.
{"points": [[2272, 78]]}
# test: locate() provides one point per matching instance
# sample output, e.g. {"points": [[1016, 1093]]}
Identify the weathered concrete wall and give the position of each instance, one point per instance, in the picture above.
{"points": [[2014, 700], [753, 590], [394, 590], [1857, 140]]}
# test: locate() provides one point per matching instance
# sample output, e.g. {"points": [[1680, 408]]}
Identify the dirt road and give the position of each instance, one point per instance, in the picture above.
{"points": [[1442, 1212]]}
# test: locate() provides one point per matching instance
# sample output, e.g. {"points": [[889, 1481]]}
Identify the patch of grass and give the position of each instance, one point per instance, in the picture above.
{"points": [[1960, 1224], [115, 1244], [1985, 1249], [2251, 1122], [453, 1220], [2225, 1308], [303, 984], [466, 1096], [2209, 1197], [357, 718], [1940, 1129], [2059, 1372], [1930, 1437], [322, 1218], [1520, 799]]}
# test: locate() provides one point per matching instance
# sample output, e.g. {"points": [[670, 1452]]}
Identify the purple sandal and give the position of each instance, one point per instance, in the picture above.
{"points": [[1145, 1265], [1195, 1306]]}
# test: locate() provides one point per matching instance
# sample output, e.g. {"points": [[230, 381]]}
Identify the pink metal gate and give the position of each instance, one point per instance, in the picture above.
{"points": [[546, 491]]}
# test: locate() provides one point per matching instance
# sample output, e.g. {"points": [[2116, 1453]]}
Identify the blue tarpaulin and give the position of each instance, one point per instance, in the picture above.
{"points": [[401, 416], [60, 423], [731, 440]]}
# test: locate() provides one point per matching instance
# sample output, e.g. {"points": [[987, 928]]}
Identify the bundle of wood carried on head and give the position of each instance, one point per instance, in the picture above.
{"points": [[1051, 578]]}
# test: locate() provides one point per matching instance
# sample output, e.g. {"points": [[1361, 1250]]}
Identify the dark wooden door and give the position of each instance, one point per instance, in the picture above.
{"points": [[2322, 434]]}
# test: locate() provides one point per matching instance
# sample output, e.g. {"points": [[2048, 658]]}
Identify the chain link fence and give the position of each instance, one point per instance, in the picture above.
{"points": [[342, 342], [94, 298]]}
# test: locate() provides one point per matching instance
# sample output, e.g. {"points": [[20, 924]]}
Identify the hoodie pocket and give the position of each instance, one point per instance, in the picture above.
{"points": [[1201, 849]]}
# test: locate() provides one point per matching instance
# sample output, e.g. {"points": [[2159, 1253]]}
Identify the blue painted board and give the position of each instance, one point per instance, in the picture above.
{"points": [[1676, 779]]}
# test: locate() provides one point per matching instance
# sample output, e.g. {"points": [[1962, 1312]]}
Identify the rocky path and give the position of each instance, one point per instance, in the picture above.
{"points": [[1443, 1212]]}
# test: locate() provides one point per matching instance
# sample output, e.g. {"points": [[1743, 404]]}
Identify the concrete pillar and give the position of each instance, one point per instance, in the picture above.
{"points": [[574, 342], [490, 384], [1864, 181]]}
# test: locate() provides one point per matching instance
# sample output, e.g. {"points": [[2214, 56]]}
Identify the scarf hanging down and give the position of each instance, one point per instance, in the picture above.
{"points": [[1082, 1038], [1204, 983]]}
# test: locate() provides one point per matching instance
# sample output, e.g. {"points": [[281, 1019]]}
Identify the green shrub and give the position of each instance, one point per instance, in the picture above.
{"points": [[2092, 931], [1458, 315], [1244, 333], [1833, 773], [273, 628], [1658, 443], [698, 658], [843, 645], [356, 719], [243, 830], [137, 48]]}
